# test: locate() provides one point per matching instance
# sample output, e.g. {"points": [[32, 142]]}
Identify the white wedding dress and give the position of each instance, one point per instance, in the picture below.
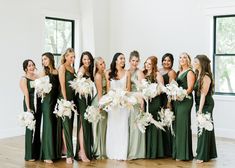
{"points": [[117, 127]]}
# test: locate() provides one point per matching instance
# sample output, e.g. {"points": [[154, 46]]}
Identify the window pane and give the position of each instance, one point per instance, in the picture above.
{"points": [[225, 35], [50, 39], [225, 74], [64, 35]]}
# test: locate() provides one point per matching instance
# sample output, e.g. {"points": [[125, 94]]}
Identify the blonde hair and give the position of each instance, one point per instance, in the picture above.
{"points": [[188, 60], [68, 51], [96, 60]]}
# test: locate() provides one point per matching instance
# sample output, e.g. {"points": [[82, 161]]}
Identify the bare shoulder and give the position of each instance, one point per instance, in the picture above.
{"points": [[172, 72], [81, 70], [98, 76], [207, 79]]}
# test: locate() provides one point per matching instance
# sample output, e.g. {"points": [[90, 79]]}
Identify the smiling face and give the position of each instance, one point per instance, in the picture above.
{"points": [[167, 64], [196, 64], [86, 61], [148, 65], [134, 61], [120, 61], [45, 61], [30, 67], [184, 60], [100, 65], [70, 57]]}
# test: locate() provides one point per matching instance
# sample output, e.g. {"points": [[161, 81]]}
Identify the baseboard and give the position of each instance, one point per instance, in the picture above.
{"points": [[6, 133]]}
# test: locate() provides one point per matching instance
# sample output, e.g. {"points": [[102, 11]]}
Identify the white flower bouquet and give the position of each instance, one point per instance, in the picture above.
{"points": [[174, 92], [83, 86], [93, 114], [26, 119], [144, 119], [204, 121], [167, 117], [42, 86], [64, 108], [118, 98]]}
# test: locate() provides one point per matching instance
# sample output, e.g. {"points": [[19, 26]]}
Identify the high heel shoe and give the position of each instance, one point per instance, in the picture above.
{"points": [[199, 161], [48, 161], [69, 160], [83, 157]]}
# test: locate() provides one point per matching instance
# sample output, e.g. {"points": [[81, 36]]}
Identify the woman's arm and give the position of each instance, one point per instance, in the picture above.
{"points": [[206, 81], [160, 78], [128, 82], [140, 75], [98, 83], [172, 75], [107, 80], [62, 81], [24, 89], [190, 80]]}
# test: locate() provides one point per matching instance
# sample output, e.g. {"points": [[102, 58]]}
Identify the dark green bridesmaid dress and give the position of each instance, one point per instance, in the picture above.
{"points": [[66, 124], [82, 105], [48, 146], [32, 139], [182, 141], [154, 139], [167, 135], [206, 146]]}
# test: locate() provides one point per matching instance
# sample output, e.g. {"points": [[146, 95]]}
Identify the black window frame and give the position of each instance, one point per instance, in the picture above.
{"points": [[219, 55], [73, 31]]}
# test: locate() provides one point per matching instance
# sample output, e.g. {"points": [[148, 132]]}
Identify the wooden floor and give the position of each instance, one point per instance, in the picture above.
{"points": [[12, 156]]}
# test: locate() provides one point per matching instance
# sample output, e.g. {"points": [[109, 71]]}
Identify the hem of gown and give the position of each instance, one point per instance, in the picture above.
{"points": [[207, 160], [117, 158]]}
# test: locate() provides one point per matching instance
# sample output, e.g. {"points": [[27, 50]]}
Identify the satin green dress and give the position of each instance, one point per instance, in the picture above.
{"points": [[48, 146], [206, 145], [136, 147], [82, 105], [67, 124], [32, 138], [182, 141], [167, 135], [154, 139], [99, 129]]}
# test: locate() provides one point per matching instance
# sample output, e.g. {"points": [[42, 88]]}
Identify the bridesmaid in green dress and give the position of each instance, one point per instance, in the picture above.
{"points": [[84, 128], [182, 142], [32, 138], [168, 75], [65, 128], [154, 139], [206, 146], [99, 129], [48, 145], [136, 149]]}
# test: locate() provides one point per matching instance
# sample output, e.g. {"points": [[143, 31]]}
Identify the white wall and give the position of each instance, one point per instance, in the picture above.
{"points": [[22, 37]]}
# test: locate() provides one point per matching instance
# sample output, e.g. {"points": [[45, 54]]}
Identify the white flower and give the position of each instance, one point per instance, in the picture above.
{"points": [[118, 98], [83, 86], [93, 114], [26, 119], [42, 86], [167, 117], [144, 119], [204, 121], [64, 108], [174, 92]]}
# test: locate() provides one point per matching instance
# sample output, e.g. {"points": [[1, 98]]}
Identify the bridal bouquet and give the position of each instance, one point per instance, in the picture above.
{"points": [[64, 108], [93, 114], [148, 90], [174, 92], [167, 117], [27, 119], [204, 121], [144, 119], [83, 86], [42, 86], [118, 98]]}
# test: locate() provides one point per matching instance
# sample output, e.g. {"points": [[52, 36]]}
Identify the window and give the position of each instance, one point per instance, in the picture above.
{"points": [[59, 36], [224, 54]]}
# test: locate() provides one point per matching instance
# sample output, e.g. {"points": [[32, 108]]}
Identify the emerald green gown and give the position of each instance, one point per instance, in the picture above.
{"points": [[48, 144], [32, 138], [136, 147], [66, 124], [154, 139], [99, 129], [206, 145], [167, 135], [182, 141], [82, 105]]}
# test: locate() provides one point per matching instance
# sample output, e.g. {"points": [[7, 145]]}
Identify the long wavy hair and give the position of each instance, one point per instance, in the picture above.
{"points": [[153, 74], [96, 60], [50, 56], [68, 51], [91, 66], [113, 69], [188, 61], [205, 70]]}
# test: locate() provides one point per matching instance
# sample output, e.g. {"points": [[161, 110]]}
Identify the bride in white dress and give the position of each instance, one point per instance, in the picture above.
{"points": [[117, 124]]}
